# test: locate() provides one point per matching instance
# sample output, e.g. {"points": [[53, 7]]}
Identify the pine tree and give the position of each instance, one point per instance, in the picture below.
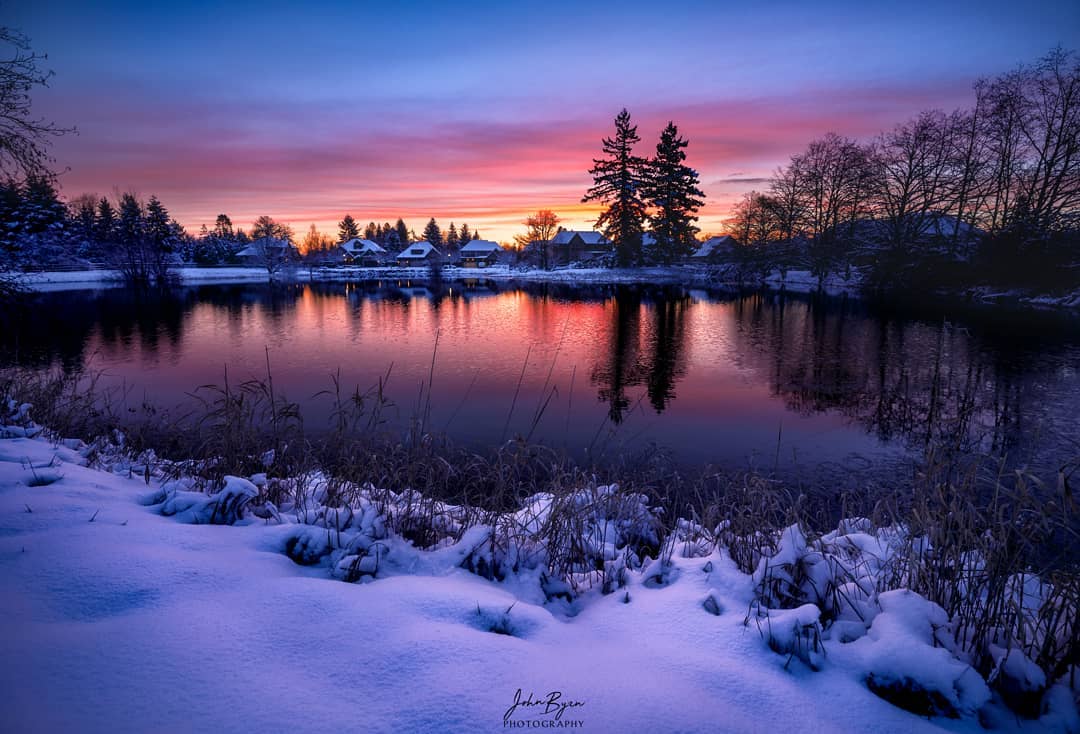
{"points": [[392, 241], [369, 231], [41, 210], [433, 234], [223, 228], [402, 232], [105, 225], [465, 237], [387, 228], [83, 216], [348, 229], [131, 220], [159, 229], [617, 183], [452, 241], [672, 190]]}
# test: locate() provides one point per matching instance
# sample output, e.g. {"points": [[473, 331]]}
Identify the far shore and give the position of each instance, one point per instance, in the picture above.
{"points": [[794, 281]]}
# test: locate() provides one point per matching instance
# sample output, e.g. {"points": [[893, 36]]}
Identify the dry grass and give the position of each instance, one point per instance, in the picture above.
{"points": [[997, 551]]}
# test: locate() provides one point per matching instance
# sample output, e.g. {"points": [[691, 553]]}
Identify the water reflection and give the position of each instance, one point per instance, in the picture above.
{"points": [[720, 375]]}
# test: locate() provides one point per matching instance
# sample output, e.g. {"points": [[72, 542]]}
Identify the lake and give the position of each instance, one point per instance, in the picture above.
{"points": [[824, 387]]}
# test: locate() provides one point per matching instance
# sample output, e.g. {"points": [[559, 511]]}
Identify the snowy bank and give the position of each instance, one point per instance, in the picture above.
{"points": [[135, 603]]}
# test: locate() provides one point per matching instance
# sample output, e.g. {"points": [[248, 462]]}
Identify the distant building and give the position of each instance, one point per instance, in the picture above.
{"points": [[361, 252], [572, 245], [266, 250], [419, 253], [714, 249], [480, 254]]}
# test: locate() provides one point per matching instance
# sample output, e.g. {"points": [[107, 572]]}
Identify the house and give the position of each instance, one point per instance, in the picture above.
{"points": [[935, 232], [572, 245], [480, 254], [361, 252], [266, 251], [419, 253], [715, 249]]}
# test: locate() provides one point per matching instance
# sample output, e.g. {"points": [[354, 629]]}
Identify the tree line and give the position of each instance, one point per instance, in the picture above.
{"points": [[994, 189]]}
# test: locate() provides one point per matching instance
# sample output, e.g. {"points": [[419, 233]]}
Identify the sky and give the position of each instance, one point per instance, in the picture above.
{"points": [[485, 112]]}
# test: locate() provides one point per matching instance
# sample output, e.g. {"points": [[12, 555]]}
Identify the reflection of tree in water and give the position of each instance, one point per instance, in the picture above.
{"points": [[668, 352], [624, 364], [55, 328], [972, 387]]}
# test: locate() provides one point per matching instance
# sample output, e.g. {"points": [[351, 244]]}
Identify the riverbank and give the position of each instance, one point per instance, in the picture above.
{"points": [[794, 281], [139, 592]]}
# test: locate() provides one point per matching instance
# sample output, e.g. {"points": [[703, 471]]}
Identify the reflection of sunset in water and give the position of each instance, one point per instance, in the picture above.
{"points": [[715, 379]]}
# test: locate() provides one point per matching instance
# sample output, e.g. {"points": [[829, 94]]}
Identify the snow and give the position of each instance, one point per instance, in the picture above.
{"points": [[480, 247], [125, 609], [357, 246], [417, 251]]}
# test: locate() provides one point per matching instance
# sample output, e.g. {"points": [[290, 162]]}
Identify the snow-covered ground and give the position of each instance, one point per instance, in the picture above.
{"points": [[117, 617], [73, 279]]}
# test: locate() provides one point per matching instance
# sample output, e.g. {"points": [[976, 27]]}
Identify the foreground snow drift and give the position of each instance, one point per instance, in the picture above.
{"points": [[118, 617]]}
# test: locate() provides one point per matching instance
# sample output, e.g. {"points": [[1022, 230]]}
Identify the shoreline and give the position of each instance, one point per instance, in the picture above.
{"points": [[796, 282]]}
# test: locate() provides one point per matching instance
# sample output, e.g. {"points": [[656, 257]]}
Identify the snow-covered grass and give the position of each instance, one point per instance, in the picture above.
{"points": [[144, 594]]}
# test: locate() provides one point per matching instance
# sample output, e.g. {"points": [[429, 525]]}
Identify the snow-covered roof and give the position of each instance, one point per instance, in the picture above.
{"points": [[357, 246], [261, 245], [589, 237], [417, 251], [480, 247], [710, 245]]}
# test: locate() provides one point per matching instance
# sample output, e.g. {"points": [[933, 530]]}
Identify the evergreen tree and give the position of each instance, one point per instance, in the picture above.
{"points": [[465, 237], [348, 229], [130, 228], [402, 232], [433, 234], [105, 224], [369, 231], [672, 190], [265, 226], [159, 227], [387, 228], [223, 229], [83, 213], [618, 184], [392, 241], [452, 241], [41, 211]]}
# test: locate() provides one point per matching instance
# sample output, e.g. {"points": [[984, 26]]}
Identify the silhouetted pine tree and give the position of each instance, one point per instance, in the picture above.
{"points": [[433, 234], [452, 240], [402, 233], [465, 236], [105, 225], [671, 188], [348, 229], [617, 183]]}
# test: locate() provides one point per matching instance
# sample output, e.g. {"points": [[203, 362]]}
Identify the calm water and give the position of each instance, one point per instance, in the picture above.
{"points": [[791, 382]]}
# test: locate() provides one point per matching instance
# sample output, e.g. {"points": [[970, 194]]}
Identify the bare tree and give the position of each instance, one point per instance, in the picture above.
{"points": [[24, 138], [542, 227], [832, 194], [910, 178], [1049, 123]]}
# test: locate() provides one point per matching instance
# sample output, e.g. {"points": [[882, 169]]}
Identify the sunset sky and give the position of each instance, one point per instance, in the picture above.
{"points": [[484, 112]]}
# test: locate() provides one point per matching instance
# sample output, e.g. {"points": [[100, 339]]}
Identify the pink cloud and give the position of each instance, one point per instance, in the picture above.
{"points": [[306, 165]]}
